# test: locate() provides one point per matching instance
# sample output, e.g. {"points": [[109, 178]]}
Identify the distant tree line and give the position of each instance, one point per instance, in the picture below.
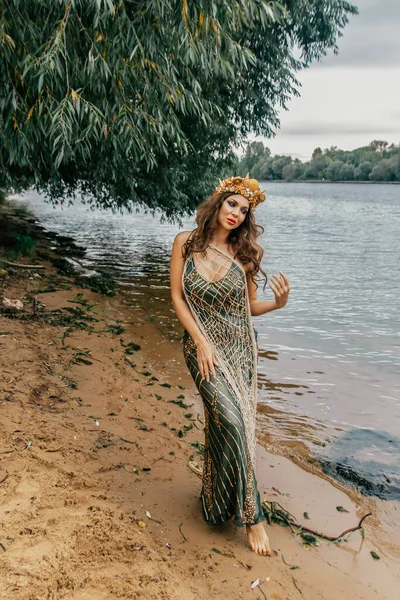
{"points": [[378, 161]]}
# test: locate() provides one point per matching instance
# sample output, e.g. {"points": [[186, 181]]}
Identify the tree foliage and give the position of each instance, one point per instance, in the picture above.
{"points": [[378, 161], [143, 102]]}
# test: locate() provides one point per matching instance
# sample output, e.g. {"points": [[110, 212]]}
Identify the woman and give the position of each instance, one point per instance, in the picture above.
{"points": [[214, 295]]}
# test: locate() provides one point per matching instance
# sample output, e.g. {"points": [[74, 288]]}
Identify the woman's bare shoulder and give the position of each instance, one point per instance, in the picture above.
{"points": [[182, 237]]}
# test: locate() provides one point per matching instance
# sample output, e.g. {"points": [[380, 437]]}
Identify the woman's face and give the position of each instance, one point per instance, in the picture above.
{"points": [[233, 211]]}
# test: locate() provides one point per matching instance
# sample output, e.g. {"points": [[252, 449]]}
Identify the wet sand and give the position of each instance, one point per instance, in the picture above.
{"points": [[89, 443]]}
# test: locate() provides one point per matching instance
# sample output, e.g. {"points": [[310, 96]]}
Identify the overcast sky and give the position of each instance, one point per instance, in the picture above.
{"points": [[350, 99]]}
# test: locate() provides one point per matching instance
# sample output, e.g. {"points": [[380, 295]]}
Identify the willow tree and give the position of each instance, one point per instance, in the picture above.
{"points": [[133, 102]]}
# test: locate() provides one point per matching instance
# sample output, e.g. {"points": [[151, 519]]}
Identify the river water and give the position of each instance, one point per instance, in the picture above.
{"points": [[329, 362]]}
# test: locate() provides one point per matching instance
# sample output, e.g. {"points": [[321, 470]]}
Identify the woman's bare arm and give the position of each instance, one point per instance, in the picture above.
{"points": [[205, 354], [178, 298], [280, 287]]}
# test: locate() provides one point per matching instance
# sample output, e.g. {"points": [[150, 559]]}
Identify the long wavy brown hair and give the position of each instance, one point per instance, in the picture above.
{"points": [[242, 239]]}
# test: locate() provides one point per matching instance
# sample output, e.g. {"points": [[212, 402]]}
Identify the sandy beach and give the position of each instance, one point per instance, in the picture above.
{"points": [[99, 419]]}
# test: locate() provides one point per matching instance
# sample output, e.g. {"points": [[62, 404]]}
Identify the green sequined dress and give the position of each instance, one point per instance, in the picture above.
{"points": [[216, 291]]}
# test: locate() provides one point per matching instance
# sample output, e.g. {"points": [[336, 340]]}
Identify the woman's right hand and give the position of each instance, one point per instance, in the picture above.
{"points": [[206, 359]]}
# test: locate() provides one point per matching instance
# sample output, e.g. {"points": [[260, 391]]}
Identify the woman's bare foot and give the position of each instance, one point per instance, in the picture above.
{"points": [[258, 539]]}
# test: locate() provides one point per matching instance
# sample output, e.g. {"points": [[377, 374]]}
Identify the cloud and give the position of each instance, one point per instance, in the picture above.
{"points": [[370, 39], [366, 55], [378, 10], [344, 129]]}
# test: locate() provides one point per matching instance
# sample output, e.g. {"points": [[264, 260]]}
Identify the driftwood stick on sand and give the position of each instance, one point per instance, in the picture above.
{"points": [[182, 534], [332, 538], [280, 515], [21, 266], [296, 586]]}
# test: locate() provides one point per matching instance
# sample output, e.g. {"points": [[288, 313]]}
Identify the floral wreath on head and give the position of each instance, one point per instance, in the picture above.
{"points": [[249, 188]]}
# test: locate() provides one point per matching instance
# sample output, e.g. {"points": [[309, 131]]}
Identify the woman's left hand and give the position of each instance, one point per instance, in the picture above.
{"points": [[281, 288]]}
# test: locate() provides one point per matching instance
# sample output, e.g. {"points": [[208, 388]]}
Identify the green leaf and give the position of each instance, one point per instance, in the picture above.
{"points": [[308, 538], [40, 83]]}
